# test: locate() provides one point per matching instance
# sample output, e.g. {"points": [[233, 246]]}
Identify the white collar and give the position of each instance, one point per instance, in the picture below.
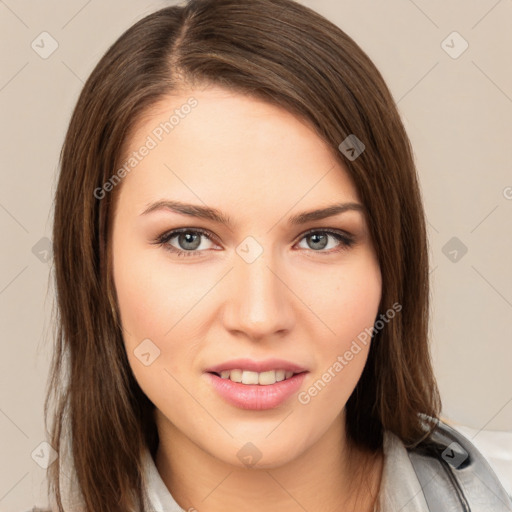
{"points": [[159, 496]]}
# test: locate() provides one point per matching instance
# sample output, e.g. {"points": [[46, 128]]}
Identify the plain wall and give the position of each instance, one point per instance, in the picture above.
{"points": [[457, 110]]}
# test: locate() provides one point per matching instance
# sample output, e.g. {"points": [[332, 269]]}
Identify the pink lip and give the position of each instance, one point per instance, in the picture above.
{"points": [[256, 366], [256, 396]]}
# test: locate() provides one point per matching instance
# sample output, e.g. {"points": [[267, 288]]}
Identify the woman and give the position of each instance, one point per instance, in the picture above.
{"points": [[242, 275]]}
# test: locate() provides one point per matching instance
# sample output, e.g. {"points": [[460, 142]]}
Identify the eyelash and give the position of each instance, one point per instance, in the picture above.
{"points": [[347, 241]]}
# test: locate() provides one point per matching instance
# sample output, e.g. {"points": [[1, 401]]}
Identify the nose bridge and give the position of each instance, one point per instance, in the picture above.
{"points": [[260, 302]]}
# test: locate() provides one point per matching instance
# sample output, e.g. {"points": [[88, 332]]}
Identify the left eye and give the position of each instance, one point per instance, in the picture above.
{"points": [[320, 240], [190, 244]]}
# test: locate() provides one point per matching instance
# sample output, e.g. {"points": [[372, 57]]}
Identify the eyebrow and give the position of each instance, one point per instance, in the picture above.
{"points": [[205, 212]]}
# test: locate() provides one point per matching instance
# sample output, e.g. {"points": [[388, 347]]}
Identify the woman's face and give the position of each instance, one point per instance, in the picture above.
{"points": [[259, 288]]}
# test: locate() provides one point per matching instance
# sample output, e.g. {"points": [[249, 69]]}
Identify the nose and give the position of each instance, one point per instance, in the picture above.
{"points": [[260, 302]]}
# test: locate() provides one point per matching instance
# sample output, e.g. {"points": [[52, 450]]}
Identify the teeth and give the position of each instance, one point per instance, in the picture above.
{"points": [[263, 378]]}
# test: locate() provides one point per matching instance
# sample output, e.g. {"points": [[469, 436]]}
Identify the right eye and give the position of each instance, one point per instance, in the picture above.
{"points": [[188, 241]]}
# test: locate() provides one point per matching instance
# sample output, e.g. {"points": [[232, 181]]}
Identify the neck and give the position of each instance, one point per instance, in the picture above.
{"points": [[329, 476]]}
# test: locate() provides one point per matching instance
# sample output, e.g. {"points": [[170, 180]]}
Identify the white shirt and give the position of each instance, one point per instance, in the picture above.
{"points": [[399, 489]]}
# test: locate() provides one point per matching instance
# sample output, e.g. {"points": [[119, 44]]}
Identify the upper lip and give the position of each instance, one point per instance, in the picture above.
{"points": [[256, 366]]}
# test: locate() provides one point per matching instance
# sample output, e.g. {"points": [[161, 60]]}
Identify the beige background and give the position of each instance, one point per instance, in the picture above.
{"points": [[458, 114]]}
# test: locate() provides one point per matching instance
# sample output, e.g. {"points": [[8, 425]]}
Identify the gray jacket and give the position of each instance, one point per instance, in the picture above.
{"points": [[454, 475]]}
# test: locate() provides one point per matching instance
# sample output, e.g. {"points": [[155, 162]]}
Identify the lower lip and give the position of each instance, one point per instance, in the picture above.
{"points": [[255, 396]]}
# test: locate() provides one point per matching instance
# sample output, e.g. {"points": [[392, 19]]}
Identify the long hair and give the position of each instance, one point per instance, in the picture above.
{"points": [[287, 55]]}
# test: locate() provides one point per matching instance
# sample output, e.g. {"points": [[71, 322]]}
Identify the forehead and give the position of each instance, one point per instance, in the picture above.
{"points": [[219, 146]]}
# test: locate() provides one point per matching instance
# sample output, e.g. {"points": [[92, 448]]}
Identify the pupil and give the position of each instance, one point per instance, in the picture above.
{"points": [[186, 239], [317, 236]]}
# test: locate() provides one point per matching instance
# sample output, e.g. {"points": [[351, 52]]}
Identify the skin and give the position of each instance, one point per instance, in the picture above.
{"points": [[297, 301]]}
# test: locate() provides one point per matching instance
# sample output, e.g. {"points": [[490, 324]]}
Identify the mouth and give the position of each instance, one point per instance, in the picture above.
{"points": [[248, 377], [255, 391], [252, 372]]}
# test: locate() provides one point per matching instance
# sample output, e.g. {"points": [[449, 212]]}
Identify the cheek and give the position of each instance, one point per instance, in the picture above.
{"points": [[343, 300], [345, 303], [359, 299], [149, 308], [146, 303], [141, 299], [158, 306], [152, 294]]}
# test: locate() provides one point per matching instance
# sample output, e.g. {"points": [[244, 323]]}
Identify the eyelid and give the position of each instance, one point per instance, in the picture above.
{"points": [[171, 233], [336, 231], [345, 238]]}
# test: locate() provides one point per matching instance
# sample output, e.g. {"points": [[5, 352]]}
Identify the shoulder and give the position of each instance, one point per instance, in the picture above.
{"points": [[454, 475]]}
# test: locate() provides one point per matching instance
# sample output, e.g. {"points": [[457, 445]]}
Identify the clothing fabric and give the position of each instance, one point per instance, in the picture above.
{"points": [[471, 486], [496, 446], [399, 489]]}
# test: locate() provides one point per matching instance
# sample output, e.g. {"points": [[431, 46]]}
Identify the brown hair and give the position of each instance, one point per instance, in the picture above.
{"points": [[286, 54]]}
